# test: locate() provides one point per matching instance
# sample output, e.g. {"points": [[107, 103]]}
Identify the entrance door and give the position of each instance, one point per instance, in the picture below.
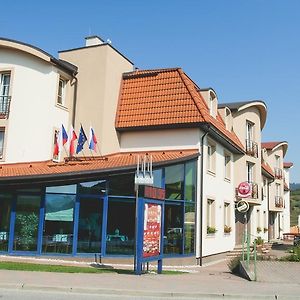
{"points": [[90, 225], [26, 223]]}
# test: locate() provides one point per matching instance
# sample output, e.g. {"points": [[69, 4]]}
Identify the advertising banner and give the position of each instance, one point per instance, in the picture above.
{"points": [[152, 229]]}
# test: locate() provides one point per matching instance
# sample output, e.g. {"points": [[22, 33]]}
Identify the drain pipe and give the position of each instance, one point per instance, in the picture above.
{"points": [[199, 259], [74, 100]]}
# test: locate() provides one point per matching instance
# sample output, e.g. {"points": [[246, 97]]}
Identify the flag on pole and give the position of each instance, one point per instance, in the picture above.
{"points": [[81, 140], [56, 146], [92, 139], [71, 141], [64, 134]]}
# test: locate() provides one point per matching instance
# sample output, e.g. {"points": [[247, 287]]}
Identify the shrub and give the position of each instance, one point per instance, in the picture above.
{"points": [[227, 229], [259, 241], [211, 230], [294, 257]]}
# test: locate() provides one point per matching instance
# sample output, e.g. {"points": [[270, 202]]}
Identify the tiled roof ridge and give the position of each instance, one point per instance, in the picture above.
{"points": [[267, 168], [150, 71]]}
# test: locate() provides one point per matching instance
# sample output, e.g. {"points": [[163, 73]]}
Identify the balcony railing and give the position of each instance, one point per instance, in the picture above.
{"points": [[254, 191], [251, 148], [4, 106], [279, 202], [278, 173]]}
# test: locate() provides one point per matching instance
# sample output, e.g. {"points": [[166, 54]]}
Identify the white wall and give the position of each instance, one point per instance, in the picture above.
{"points": [[33, 114], [286, 225]]}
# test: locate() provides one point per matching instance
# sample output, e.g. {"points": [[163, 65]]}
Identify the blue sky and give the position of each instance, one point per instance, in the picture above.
{"points": [[245, 50]]}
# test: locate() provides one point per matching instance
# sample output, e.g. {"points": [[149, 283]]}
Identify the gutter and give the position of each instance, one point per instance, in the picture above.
{"points": [[74, 100], [199, 259]]}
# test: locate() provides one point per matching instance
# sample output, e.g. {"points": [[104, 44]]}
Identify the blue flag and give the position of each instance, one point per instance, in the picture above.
{"points": [[81, 140]]}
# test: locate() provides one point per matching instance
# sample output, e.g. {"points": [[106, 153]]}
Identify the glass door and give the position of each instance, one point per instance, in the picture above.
{"points": [[26, 223], [90, 225], [5, 208]]}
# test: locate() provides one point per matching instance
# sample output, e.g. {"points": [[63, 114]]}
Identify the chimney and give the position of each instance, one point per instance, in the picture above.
{"points": [[93, 41]]}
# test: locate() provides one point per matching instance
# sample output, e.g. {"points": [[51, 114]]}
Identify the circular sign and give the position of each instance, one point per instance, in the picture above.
{"points": [[242, 206], [244, 190]]}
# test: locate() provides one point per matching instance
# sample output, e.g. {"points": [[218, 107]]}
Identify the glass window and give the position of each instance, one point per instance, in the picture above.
{"points": [[61, 91], [58, 227], [157, 177], [173, 228], [26, 223], [189, 228], [210, 217], [190, 181], [4, 92], [90, 225], [174, 182], [211, 157], [5, 208], [2, 131], [93, 187], [120, 226], [227, 165], [62, 189], [121, 185]]}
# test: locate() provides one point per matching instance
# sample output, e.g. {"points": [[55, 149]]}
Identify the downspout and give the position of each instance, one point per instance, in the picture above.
{"points": [[74, 99], [199, 259]]}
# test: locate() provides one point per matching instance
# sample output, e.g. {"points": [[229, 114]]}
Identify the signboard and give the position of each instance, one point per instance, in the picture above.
{"points": [[153, 192], [244, 190], [152, 229], [242, 206]]}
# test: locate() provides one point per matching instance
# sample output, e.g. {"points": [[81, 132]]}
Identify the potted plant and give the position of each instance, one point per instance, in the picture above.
{"points": [[258, 229], [227, 229], [265, 230], [211, 230]]}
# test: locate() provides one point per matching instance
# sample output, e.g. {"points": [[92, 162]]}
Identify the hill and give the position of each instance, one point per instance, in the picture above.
{"points": [[294, 186], [295, 206]]}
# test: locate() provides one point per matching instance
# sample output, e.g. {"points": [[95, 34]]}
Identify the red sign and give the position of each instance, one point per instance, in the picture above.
{"points": [[152, 229], [154, 193], [244, 190]]}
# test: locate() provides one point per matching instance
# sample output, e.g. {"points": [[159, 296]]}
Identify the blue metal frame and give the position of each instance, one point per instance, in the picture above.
{"points": [[140, 260]]}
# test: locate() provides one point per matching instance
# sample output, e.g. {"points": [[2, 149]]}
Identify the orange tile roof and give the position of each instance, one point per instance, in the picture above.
{"points": [[266, 167], [112, 162], [270, 145], [164, 98], [286, 187]]}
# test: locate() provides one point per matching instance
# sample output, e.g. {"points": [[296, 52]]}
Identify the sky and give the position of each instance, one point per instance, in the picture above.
{"points": [[244, 50]]}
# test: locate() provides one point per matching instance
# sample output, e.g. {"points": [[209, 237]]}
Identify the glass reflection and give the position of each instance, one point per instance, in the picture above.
{"points": [[174, 182], [5, 208], [189, 228]]}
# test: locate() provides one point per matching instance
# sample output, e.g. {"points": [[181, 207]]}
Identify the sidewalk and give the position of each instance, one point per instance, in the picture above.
{"points": [[213, 281]]}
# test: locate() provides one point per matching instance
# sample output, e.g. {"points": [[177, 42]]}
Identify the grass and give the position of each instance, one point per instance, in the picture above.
{"points": [[19, 266]]}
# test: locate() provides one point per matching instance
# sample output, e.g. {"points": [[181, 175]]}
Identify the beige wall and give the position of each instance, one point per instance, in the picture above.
{"points": [[99, 76]]}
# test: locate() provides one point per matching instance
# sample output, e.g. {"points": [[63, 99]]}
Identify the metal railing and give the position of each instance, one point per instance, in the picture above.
{"points": [[249, 254], [4, 106], [278, 173], [251, 148], [279, 202]]}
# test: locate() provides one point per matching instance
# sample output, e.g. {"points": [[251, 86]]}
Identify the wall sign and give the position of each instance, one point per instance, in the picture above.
{"points": [[244, 190], [242, 206]]}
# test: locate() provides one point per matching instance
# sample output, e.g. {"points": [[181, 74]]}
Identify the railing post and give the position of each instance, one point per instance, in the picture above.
{"points": [[243, 245], [248, 250], [255, 273]]}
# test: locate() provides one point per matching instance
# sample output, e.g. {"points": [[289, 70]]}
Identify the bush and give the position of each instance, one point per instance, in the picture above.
{"points": [[259, 241], [227, 229], [294, 257], [211, 230]]}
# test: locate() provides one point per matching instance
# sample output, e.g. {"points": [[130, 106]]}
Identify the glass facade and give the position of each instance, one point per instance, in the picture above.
{"points": [[96, 216]]}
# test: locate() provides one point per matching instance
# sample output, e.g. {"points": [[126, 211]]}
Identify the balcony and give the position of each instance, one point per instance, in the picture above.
{"points": [[251, 148], [278, 173], [4, 106], [279, 202], [254, 191]]}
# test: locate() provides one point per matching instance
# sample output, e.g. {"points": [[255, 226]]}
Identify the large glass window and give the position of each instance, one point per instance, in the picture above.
{"points": [[174, 181], [173, 235], [26, 223], [92, 188], [189, 228], [58, 227], [120, 226], [157, 178], [5, 208], [2, 132], [121, 185], [90, 225], [190, 181]]}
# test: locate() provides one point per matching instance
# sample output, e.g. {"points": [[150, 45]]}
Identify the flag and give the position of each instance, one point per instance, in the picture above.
{"points": [[92, 140], [64, 136], [81, 140], [56, 146], [71, 141]]}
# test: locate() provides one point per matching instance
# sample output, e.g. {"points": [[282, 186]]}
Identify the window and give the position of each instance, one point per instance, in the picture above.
{"points": [[211, 153], [61, 91], [174, 182], [277, 159], [210, 217], [227, 165], [249, 131], [190, 181], [278, 189], [250, 172], [227, 223], [4, 92], [2, 131]]}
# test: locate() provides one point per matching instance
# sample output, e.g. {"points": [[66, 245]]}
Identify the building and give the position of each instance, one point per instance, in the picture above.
{"points": [[201, 152]]}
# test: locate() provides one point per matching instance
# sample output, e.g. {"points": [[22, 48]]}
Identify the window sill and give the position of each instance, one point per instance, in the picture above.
{"points": [[227, 179], [61, 106], [227, 234], [212, 173], [210, 235]]}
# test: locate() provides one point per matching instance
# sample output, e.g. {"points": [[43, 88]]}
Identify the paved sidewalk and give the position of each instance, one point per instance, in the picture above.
{"points": [[211, 281]]}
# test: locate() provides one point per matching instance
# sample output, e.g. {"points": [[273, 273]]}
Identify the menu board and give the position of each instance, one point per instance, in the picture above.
{"points": [[152, 230]]}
